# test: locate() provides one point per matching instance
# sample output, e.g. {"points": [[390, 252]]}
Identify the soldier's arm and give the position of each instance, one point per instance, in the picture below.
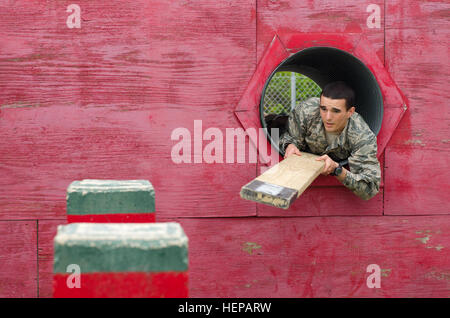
{"points": [[364, 176], [295, 130]]}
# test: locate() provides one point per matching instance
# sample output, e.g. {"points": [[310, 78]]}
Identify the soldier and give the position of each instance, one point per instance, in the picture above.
{"points": [[329, 126]]}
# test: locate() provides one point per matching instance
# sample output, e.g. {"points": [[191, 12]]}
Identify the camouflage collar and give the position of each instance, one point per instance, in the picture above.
{"points": [[339, 142]]}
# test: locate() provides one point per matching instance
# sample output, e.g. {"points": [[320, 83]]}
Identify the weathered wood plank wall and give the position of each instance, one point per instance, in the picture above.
{"points": [[101, 101], [417, 55]]}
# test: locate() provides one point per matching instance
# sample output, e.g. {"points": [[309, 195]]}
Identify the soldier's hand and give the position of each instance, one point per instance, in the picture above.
{"points": [[291, 149], [330, 165]]}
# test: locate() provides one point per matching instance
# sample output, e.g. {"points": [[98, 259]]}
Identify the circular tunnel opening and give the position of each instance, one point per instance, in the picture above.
{"points": [[323, 65]]}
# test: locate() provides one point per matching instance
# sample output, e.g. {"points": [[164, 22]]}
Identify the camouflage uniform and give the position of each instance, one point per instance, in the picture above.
{"points": [[356, 142]]}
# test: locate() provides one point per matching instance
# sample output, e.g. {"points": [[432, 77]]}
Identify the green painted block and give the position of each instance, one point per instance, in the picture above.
{"points": [[121, 247], [110, 196]]}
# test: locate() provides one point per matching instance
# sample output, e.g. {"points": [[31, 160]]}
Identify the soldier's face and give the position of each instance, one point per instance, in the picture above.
{"points": [[334, 114]]}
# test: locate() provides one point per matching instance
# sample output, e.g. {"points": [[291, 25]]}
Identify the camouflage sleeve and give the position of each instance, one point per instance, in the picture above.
{"points": [[295, 130], [364, 175]]}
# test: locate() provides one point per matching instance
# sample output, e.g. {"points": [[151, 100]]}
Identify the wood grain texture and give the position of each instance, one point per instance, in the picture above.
{"points": [[318, 16], [54, 65], [47, 231], [327, 196], [415, 188], [417, 55], [102, 101], [77, 143], [18, 259], [318, 256], [248, 107], [296, 172]]}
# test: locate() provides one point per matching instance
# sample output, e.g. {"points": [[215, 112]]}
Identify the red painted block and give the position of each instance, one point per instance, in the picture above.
{"points": [[112, 218], [97, 260], [123, 285]]}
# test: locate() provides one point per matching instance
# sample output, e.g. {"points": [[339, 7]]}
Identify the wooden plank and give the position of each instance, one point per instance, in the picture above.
{"points": [[104, 62], [412, 32], [417, 41], [76, 144], [208, 40], [47, 231], [299, 41], [327, 196], [319, 17], [426, 122], [18, 259], [327, 201], [280, 185], [248, 107], [52, 75], [318, 256], [131, 75], [309, 257]]}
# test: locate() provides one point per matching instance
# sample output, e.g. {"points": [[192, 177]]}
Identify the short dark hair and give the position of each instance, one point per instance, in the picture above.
{"points": [[340, 90]]}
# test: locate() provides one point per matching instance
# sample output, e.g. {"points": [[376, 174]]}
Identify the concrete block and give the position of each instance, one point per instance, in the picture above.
{"points": [[110, 201], [120, 260]]}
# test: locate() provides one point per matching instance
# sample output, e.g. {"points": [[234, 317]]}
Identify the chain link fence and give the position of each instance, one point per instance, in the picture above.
{"points": [[285, 90]]}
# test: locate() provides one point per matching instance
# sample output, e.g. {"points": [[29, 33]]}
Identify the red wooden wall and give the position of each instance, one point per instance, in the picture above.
{"points": [[102, 100]]}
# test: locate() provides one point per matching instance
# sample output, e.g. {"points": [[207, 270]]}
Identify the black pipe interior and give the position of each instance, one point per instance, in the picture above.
{"points": [[326, 64]]}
